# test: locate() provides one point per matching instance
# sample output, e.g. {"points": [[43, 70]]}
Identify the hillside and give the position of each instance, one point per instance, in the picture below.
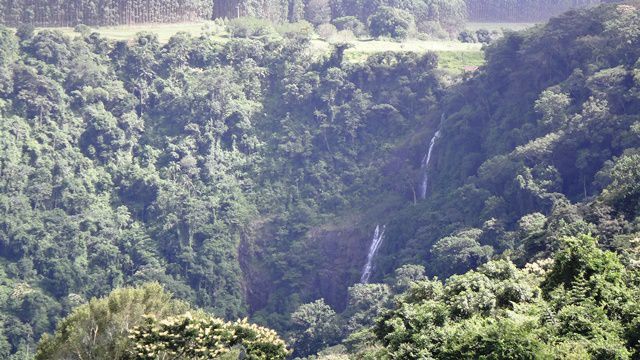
{"points": [[125, 163], [247, 177]]}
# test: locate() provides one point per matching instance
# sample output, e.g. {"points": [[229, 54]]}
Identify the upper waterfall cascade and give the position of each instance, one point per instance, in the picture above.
{"points": [[426, 160]]}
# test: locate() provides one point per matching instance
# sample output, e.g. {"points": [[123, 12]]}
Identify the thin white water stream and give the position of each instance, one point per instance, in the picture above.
{"points": [[426, 160], [378, 236]]}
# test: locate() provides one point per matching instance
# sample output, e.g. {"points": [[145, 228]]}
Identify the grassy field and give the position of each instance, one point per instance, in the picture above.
{"points": [[411, 45], [164, 31], [456, 61], [454, 55], [499, 26]]}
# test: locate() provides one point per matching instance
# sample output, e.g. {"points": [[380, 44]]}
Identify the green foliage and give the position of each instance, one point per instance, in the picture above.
{"points": [[8, 54], [244, 177], [317, 11], [548, 145], [100, 328], [200, 336], [502, 338], [406, 275], [496, 312], [553, 107], [460, 252], [143, 323], [301, 29], [394, 23], [431, 16], [583, 266], [326, 31], [249, 27], [350, 23], [467, 37], [366, 301], [417, 327], [315, 327], [624, 190]]}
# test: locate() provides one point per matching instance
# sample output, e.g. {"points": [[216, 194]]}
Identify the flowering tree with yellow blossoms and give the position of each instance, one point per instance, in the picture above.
{"points": [[200, 336]]}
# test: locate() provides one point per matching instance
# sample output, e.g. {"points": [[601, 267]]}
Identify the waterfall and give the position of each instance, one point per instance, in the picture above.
{"points": [[427, 159], [378, 235]]}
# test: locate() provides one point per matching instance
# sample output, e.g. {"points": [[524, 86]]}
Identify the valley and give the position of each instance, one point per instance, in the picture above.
{"points": [[320, 180]]}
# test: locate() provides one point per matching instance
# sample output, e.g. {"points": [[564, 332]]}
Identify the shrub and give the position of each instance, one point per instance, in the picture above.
{"points": [[433, 29], [350, 23], [214, 27], [388, 21], [467, 36], [483, 36], [249, 27], [494, 339], [326, 31], [82, 29], [300, 29], [344, 36], [25, 31]]}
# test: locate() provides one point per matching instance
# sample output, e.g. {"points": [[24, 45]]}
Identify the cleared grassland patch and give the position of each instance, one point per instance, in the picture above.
{"points": [[473, 26], [454, 55], [164, 31], [457, 61], [454, 62], [411, 45]]}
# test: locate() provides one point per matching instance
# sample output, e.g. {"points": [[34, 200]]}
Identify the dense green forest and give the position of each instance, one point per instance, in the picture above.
{"points": [[109, 12], [178, 163], [153, 194]]}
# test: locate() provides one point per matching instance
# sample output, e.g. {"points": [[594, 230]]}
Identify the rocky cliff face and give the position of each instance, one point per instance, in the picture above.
{"points": [[340, 252], [344, 253]]}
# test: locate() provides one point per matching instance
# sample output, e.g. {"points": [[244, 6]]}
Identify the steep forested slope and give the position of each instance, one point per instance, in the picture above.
{"points": [[543, 129], [248, 177], [535, 166], [128, 163]]}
